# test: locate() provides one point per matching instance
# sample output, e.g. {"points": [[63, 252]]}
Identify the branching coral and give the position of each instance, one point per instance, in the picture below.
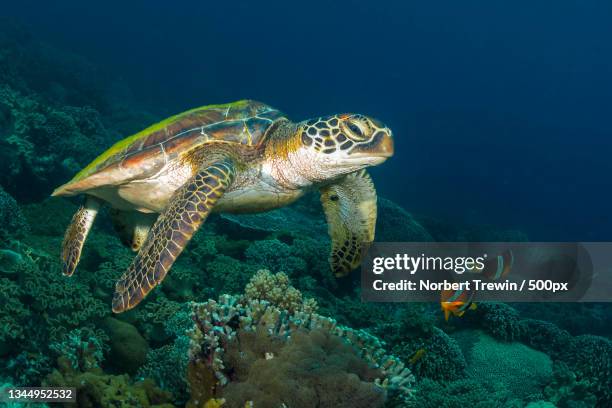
{"points": [[84, 349], [275, 288]]}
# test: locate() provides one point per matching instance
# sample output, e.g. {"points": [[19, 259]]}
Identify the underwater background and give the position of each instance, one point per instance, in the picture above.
{"points": [[501, 116]]}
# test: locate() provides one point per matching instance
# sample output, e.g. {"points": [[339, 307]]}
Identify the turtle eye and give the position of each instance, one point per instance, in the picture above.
{"points": [[356, 129]]}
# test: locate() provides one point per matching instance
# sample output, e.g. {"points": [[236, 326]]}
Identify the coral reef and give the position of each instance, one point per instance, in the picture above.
{"points": [[167, 365], [275, 289], [237, 334], [83, 349], [462, 393], [394, 224], [518, 368], [546, 337], [276, 256], [270, 345], [12, 221], [128, 349], [565, 390], [97, 389], [498, 319], [590, 357], [436, 356]]}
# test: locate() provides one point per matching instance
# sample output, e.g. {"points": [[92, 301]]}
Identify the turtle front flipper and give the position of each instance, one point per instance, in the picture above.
{"points": [[186, 212], [350, 209], [76, 234]]}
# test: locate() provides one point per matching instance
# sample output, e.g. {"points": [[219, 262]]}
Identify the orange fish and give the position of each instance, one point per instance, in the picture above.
{"points": [[456, 302]]}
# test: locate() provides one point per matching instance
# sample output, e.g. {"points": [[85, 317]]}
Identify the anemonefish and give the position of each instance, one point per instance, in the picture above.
{"points": [[456, 302]]}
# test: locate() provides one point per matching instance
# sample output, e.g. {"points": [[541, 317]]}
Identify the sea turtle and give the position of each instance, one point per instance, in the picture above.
{"points": [[163, 182]]}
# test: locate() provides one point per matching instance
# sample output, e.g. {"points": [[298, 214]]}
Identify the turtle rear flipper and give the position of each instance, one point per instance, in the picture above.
{"points": [[350, 209], [76, 234], [132, 226], [186, 212]]}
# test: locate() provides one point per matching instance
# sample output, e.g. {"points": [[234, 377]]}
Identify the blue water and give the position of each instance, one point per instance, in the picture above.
{"points": [[501, 109]]}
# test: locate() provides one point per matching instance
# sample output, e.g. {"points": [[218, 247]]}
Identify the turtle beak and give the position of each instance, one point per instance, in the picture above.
{"points": [[380, 146]]}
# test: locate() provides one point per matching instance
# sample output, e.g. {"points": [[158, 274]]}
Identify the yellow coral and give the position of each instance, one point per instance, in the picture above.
{"points": [[214, 403], [275, 288]]}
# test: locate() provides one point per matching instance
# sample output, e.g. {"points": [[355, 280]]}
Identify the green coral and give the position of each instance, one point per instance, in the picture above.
{"points": [[462, 393], [499, 320], [30, 124], [97, 389], [26, 368], [276, 256], [228, 275], [84, 349], [590, 357], [167, 365], [521, 369], [13, 314], [62, 303], [394, 224], [12, 221], [567, 391], [546, 337], [437, 356]]}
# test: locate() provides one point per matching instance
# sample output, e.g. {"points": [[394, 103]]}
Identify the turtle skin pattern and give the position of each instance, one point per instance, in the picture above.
{"points": [[186, 212], [75, 235]]}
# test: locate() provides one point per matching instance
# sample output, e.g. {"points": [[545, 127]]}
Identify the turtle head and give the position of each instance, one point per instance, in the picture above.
{"points": [[345, 143]]}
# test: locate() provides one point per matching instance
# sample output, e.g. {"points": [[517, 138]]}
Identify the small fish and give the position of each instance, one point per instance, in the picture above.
{"points": [[417, 355], [456, 302]]}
